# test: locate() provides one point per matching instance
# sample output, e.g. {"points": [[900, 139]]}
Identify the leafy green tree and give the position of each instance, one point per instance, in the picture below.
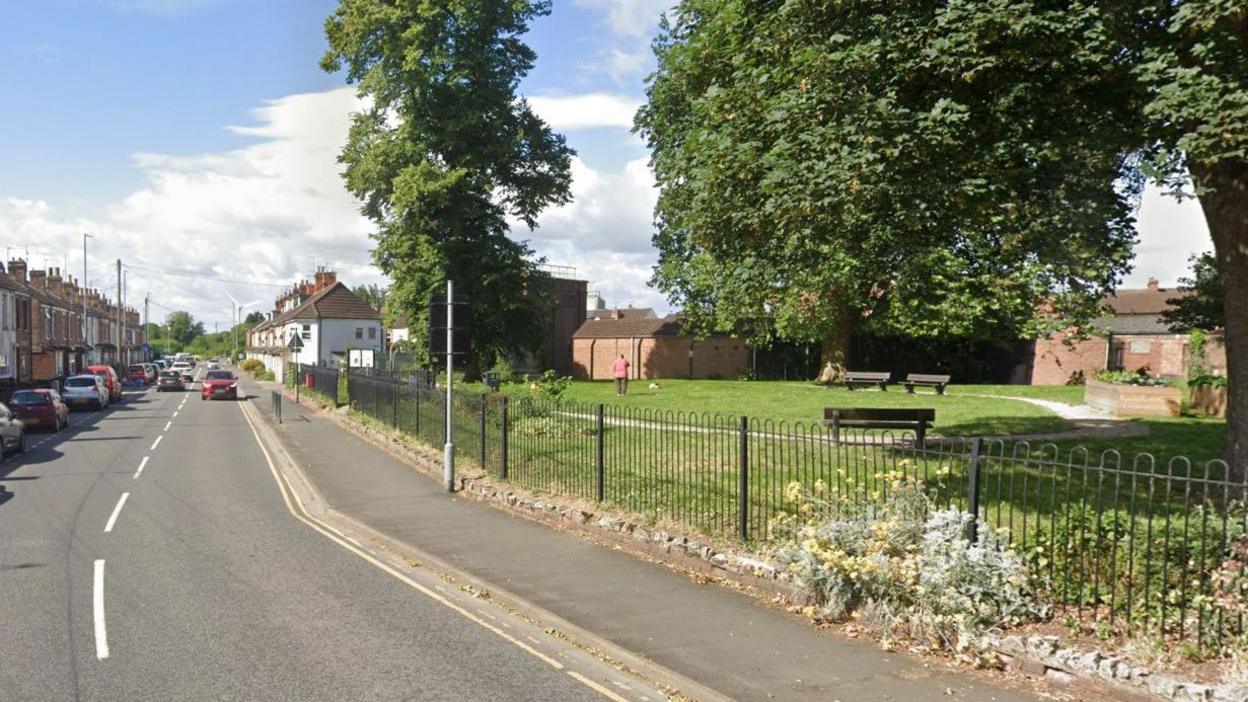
{"points": [[1203, 305], [444, 153], [253, 318], [374, 295], [939, 168], [183, 328]]}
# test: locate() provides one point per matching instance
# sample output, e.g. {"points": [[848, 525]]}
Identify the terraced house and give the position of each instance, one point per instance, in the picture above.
{"points": [[49, 337]]}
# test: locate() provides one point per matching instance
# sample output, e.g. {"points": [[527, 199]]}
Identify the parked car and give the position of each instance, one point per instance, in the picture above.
{"points": [[185, 370], [86, 391], [41, 408], [12, 432], [110, 379], [170, 380], [219, 385], [153, 371], [136, 374]]}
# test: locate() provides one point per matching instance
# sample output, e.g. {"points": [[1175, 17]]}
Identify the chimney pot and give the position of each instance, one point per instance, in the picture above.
{"points": [[1154, 284]]}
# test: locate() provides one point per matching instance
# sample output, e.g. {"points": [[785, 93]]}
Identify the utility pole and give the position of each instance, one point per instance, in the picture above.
{"points": [[449, 450], [147, 299], [85, 325], [120, 336]]}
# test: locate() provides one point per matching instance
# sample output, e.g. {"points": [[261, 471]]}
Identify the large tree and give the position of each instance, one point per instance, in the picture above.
{"points": [[444, 153], [1203, 304], [183, 328], [936, 168]]}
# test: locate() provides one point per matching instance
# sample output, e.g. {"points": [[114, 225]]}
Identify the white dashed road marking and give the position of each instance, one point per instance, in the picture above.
{"points": [[112, 519], [97, 602], [157, 441], [142, 463], [168, 424]]}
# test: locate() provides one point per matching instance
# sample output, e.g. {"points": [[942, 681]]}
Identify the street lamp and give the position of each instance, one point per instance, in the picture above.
{"points": [[238, 308], [85, 342]]}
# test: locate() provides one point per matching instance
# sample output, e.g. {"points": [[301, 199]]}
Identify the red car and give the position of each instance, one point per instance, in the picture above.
{"points": [[40, 408], [110, 379], [137, 374], [218, 385]]}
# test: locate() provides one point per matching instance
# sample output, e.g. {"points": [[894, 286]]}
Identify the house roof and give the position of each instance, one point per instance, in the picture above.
{"points": [[627, 327], [334, 302], [625, 313], [1133, 324], [1152, 300]]}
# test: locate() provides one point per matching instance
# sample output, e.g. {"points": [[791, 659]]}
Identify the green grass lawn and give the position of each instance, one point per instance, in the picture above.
{"points": [[957, 414]]}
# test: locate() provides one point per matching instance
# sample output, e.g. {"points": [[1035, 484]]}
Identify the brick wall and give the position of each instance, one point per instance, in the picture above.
{"points": [[661, 357], [1056, 362]]}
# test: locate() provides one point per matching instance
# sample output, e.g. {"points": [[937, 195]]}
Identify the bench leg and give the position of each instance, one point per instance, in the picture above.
{"points": [[836, 432], [883, 387], [940, 389], [921, 436], [909, 389]]}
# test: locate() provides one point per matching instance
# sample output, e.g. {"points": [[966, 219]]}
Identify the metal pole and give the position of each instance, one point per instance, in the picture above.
{"points": [[448, 451], [601, 462], [85, 328], [503, 441], [481, 453], [972, 529], [119, 313], [743, 515]]}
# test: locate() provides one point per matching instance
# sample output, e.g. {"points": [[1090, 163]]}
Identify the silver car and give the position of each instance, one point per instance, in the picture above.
{"points": [[12, 432], [82, 391]]}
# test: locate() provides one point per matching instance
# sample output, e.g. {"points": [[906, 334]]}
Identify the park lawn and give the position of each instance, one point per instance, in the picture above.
{"points": [[957, 413]]}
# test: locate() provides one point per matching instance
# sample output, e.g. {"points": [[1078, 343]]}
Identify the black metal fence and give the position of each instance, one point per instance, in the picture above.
{"points": [[1126, 541]]}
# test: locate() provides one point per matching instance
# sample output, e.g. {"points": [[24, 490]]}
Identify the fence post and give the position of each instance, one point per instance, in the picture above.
{"points": [[972, 529], [481, 453], [602, 463], [503, 439], [277, 405], [394, 403], [416, 387], [298, 382], [743, 517]]}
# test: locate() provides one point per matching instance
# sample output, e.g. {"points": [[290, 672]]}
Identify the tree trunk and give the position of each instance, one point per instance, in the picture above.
{"points": [[834, 351], [1225, 202]]}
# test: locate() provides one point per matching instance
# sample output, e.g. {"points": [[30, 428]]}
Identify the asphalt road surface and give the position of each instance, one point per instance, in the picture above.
{"points": [[146, 553]]}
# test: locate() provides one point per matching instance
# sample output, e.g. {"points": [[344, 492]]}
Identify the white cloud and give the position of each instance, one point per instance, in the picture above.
{"points": [[1170, 232], [629, 18], [267, 213], [587, 111], [624, 52]]}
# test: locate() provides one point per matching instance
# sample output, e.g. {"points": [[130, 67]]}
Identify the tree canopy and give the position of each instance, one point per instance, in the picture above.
{"points": [[970, 166], [183, 328], [1202, 306], [444, 154]]}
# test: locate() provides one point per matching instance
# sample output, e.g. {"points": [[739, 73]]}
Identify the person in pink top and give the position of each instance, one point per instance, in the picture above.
{"points": [[620, 370]]}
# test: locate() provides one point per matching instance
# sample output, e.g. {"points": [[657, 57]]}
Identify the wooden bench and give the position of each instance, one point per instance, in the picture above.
{"points": [[919, 420], [914, 380], [865, 378]]}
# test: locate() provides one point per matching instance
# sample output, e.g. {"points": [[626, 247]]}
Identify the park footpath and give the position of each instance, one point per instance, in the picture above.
{"points": [[720, 638]]}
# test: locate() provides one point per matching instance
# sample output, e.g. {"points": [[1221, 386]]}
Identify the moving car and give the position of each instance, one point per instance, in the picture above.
{"points": [[85, 391], [110, 379], [219, 385], [40, 408], [153, 371], [183, 369], [170, 380], [136, 374], [213, 365], [12, 432]]}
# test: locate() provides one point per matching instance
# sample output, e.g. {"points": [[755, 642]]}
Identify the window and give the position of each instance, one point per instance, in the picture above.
{"points": [[359, 332], [307, 332], [372, 332]]}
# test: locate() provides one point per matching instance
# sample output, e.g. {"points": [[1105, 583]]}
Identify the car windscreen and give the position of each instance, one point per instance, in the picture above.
{"points": [[80, 383], [29, 399], [170, 375], [219, 375]]}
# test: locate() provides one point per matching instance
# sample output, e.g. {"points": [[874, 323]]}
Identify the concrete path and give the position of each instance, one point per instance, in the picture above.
{"points": [[720, 638]]}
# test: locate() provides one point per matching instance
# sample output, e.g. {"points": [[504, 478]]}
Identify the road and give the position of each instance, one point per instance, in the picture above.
{"points": [[148, 553]]}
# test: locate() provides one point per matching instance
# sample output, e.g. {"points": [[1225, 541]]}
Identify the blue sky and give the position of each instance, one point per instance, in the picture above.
{"points": [[170, 126]]}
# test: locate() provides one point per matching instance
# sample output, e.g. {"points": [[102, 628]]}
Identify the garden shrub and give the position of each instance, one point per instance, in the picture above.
{"points": [[250, 364], [1136, 377], [1207, 381], [506, 370], [901, 565]]}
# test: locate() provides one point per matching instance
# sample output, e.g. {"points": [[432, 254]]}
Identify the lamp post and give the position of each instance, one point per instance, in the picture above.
{"points": [[85, 326]]}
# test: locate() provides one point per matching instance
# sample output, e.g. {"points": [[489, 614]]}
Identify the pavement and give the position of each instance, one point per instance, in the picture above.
{"points": [[150, 553], [722, 639]]}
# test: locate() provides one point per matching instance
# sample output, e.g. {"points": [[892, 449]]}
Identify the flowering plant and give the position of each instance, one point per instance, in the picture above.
{"points": [[903, 562]]}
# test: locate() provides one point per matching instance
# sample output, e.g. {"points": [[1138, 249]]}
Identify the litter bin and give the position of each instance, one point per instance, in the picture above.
{"points": [[490, 378], [309, 381]]}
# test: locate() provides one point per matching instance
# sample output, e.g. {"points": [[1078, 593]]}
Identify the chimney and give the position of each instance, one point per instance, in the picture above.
{"points": [[1153, 284], [17, 269], [38, 280], [55, 285]]}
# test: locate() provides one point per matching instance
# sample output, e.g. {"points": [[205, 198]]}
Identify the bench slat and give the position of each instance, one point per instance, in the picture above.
{"points": [[868, 414], [927, 378], [865, 376]]}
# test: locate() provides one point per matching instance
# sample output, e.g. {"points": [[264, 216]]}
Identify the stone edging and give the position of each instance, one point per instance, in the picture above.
{"points": [[1037, 656], [1044, 657]]}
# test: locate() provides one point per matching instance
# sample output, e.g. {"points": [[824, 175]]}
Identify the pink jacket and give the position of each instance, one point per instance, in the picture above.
{"points": [[620, 368]]}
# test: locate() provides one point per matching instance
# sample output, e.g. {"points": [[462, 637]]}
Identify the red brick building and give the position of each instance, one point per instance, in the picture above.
{"points": [[1135, 337], [654, 347]]}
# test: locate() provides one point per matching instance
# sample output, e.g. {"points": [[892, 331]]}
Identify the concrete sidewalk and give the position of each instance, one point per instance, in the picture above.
{"points": [[722, 639]]}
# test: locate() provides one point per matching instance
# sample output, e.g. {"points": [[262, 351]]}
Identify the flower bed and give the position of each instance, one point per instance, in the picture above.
{"points": [[1208, 395], [1130, 400]]}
